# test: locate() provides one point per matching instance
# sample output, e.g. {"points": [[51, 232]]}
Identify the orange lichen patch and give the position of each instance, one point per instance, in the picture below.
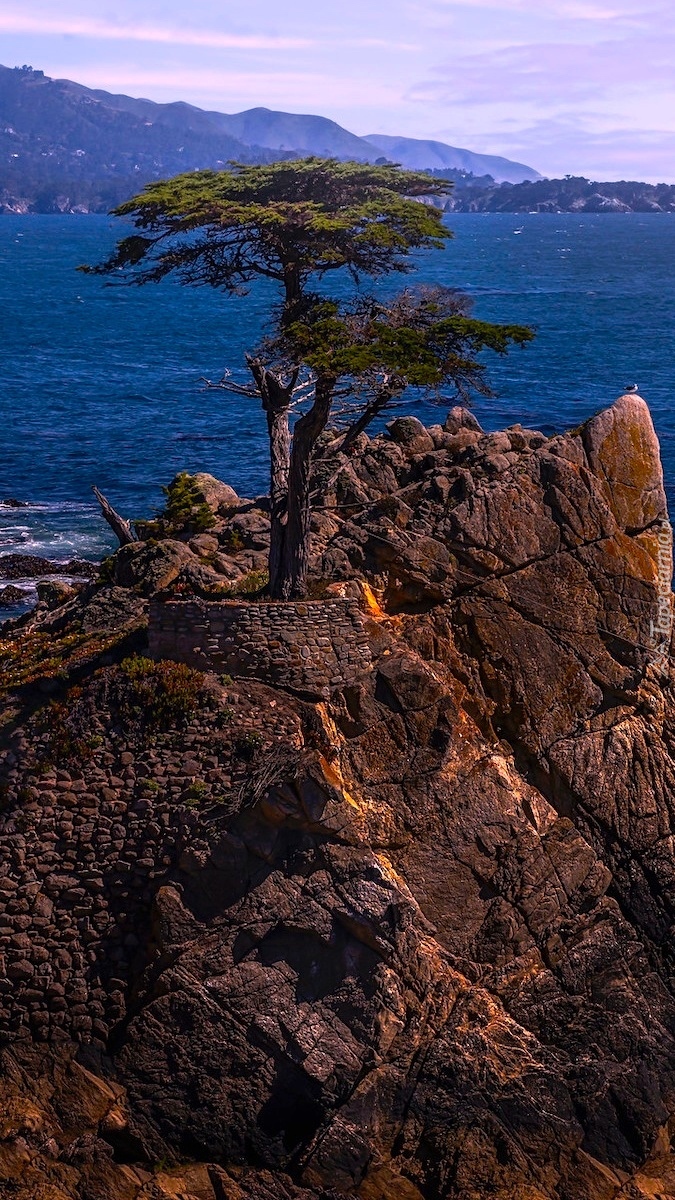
{"points": [[334, 777], [623, 451], [19, 1116], [660, 551], [384, 1184], [177, 1183], [371, 602], [635, 555]]}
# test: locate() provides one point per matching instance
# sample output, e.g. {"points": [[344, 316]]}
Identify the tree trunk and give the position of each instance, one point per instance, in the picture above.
{"points": [[280, 452], [295, 560], [276, 399], [292, 288], [121, 527], [370, 412]]}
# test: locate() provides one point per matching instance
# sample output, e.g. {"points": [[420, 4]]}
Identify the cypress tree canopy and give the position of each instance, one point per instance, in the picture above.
{"points": [[285, 221]]}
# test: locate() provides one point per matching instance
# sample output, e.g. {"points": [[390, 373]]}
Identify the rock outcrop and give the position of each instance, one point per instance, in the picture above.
{"points": [[410, 942]]}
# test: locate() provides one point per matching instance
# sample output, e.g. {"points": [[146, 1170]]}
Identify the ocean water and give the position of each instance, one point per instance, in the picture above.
{"points": [[100, 384]]}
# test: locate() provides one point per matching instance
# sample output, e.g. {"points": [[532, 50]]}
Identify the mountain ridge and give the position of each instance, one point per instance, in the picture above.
{"points": [[66, 147], [425, 154]]}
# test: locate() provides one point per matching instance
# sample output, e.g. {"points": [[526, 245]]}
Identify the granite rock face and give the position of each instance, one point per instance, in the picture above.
{"points": [[411, 942]]}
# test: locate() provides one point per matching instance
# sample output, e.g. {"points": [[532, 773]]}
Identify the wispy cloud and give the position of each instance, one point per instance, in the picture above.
{"points": [[544, 81], [576, 10], [233, 90], [551, 75], [609, 154], [376, 43], [106, 30]]}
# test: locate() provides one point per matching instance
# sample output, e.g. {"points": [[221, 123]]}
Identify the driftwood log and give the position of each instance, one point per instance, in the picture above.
{"points": [[120, 527]]}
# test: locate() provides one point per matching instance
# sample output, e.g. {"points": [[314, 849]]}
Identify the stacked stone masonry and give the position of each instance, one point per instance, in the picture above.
{"points": [[84, 850], [308, 648]]}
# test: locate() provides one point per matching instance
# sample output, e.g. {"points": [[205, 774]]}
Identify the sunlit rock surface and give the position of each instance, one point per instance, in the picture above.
{"points": [[410, 943]]}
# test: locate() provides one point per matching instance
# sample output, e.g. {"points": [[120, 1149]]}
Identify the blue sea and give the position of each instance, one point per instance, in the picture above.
{"points": [[102, 384]]}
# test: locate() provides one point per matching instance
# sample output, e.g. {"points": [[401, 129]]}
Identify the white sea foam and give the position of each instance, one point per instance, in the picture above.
{"points": [[60, 531]]}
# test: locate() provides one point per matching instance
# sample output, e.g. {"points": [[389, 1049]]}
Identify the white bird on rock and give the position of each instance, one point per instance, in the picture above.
{"points": [[631, 387]]}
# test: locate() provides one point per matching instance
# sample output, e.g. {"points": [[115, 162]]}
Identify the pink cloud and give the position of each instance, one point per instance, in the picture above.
{"points": [[93, 27]]}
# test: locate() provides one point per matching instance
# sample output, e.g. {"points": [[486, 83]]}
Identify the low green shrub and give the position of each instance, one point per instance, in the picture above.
{"points": [[232, 541], [197, 791], [185, 508], [251, 584], [160, 694], [106, 570], [68, 737], [185, 512], [140, 697]]}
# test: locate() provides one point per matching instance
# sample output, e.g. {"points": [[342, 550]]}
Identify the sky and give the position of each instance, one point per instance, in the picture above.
{"points": [[581, 87]]}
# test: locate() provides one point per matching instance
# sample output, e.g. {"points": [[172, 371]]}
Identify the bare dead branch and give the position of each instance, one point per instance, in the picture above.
{"points": [[120, 527]]}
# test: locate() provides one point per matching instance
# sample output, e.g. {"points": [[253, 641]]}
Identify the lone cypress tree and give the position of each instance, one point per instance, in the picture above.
{"points": [[295, 222]]}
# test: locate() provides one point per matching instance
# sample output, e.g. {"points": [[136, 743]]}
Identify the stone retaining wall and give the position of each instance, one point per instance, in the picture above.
{"points": [[305, 647], [84, 848]]}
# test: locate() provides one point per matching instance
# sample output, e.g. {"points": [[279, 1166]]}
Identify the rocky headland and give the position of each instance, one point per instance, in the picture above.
{"points": [[371, 899], [573, 194]]}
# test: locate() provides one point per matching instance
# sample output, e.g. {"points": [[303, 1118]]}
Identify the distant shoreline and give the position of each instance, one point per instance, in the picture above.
{"points": [[462, 211], [542, 197]]}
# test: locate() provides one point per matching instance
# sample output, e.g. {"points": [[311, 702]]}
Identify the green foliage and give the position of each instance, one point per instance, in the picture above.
{"points": [[149, 531], [232, 541], [422, 338], [27, 657], [251, 584], [106, 570], [185, 511], [158, 694], [574, 193], [67, 733], [223, 717], [142, 696], [284, 221], [185, 507], [196, 793], [293, 221]]}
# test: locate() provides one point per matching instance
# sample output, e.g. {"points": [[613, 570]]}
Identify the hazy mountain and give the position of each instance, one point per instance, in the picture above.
{"points": [[64, 146], [297, 134], [420, 155]]}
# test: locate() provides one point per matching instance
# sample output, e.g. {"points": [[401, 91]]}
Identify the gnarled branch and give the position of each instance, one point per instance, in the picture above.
{"points": [[120, 527]]}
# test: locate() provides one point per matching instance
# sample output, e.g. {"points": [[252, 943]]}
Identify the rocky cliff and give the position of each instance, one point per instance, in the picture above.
{"points": [[411, 941]]}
